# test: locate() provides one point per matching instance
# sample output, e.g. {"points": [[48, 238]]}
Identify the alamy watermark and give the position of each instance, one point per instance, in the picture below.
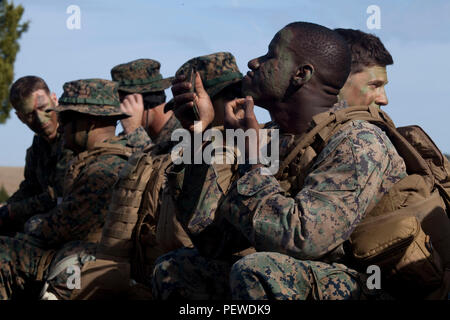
{"points": [[74, 280], [230, 149], [73, 22], [374, 20]]}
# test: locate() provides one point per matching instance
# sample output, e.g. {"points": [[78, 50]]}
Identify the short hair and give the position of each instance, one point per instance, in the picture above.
{"points": [[326, 50], [23, 87], [367, 49]]}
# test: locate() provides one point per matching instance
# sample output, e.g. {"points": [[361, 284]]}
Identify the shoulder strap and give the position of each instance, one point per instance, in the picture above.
{"points": [[326, 124]]}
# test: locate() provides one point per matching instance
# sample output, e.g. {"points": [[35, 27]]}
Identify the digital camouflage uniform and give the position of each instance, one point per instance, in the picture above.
{"points": [[87, 189], [45, 166], [291, 232], [142, 76], [207, 71], [138, 76]]}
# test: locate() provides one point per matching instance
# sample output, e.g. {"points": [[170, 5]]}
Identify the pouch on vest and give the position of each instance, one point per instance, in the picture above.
{"points": [[404, 253]]}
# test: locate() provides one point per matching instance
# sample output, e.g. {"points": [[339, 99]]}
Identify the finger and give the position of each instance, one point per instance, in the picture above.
{"points": [[232, 105], [179, 78], [249, 108], [199, 89], [180, 88], [184, 98], [139, 99], [125, 105], [249, 105]]}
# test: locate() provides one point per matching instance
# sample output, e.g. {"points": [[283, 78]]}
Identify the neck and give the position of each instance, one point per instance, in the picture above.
{"points": [[295, 114], [50, 139], [101, 134], [159, 120]]}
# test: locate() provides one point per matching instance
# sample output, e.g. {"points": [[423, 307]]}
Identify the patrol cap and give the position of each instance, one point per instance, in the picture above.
{"points": [[97, 97], [140, 76], [218, 71]]}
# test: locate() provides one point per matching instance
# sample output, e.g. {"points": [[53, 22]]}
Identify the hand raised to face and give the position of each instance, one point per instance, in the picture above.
{"points": [[184, 100], [239, 114], [132, 104]]}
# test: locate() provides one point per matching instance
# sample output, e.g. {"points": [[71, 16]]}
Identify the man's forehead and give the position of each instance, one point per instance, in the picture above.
{"points": [[282, 38], [37, 98], [40, 96]]}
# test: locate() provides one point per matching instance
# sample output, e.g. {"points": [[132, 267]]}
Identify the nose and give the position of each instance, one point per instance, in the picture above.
{"points": [[253, 64], [382, 99]]}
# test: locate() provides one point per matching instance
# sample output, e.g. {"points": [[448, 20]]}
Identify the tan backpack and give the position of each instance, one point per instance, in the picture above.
{"points": [[407, 234]]}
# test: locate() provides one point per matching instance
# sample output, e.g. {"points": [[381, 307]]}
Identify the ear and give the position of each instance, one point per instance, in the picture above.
{"points": [[302, 75]]}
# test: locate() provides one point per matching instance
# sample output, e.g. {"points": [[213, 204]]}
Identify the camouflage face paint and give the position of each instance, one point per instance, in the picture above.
{"points": [[33, 113], [366, 88], [271, 73]]}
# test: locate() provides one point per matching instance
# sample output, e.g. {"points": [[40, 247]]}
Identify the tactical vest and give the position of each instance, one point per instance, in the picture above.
{"points": [[133, 232], [83, 160], [407, 233]]}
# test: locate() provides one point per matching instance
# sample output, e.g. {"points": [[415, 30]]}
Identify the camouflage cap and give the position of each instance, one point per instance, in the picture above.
{"points": [[217, 70], [97, 97], [140, 76]]}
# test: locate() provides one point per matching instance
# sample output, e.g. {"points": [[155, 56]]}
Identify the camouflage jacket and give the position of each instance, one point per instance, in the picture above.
{"points": [[88, 184], [347, 178], [355, 169], [140, 139], [45, 167]]}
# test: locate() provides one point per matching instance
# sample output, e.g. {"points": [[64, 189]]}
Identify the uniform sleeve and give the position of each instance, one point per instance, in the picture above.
{"points": [[345, 178], [82, 210], [30, 199], [138, 138]]}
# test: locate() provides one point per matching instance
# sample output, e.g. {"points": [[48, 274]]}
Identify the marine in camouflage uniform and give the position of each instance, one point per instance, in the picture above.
{"points": [[298, 233], [46, 159], [221, 77], [143, 76], [139, 76], [45, 166], [25, 258]]}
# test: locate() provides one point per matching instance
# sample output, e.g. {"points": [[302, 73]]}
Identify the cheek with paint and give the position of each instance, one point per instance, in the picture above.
{"points": [[43, 118]]}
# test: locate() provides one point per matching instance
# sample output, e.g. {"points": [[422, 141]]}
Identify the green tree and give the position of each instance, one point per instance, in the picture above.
{"points": [[448, 156], [3, 194], [10, 31]]}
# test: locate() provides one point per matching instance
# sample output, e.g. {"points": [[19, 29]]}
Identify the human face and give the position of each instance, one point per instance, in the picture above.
{"points": [[33, 112], [270, 75], [75, 131], [366, 88]]}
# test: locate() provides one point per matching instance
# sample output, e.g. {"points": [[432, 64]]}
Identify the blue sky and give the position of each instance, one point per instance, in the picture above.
{"points": [[173, 31]]}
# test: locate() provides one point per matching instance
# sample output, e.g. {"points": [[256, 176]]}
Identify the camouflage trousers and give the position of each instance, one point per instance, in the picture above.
{"points": [[81, 252], [19, 262], [185, 274], [269, 275], [23, 271]]}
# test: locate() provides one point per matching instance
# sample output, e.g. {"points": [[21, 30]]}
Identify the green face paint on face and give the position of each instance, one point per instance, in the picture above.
{"points": [[366, 88], [33, 112], [270, 74]]}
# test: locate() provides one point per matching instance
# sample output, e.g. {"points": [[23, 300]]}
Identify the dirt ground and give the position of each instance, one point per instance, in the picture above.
{"points": [[10, 178]]}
